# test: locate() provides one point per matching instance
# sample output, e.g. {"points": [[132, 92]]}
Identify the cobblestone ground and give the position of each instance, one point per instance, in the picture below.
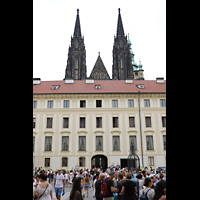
{"points": [[67, 192]]}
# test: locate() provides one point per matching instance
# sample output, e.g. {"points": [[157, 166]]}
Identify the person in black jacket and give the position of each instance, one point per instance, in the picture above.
{"points": [[129, 188], [98, 184]]}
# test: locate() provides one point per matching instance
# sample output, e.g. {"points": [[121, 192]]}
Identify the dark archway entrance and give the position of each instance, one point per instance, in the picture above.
{"points": [[100, 161]]}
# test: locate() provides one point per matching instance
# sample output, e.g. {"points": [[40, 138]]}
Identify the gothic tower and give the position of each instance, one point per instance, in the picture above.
{"points": [[76, 62], [122, 66]]}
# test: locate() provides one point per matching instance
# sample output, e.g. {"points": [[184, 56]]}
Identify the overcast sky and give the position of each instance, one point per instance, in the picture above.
{"points": [[53, 26]]}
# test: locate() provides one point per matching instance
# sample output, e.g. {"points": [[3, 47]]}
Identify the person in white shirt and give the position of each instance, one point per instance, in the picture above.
{"points": [[37, 181], [147, 189], [59, 184], [67, 177], [71, 176]]}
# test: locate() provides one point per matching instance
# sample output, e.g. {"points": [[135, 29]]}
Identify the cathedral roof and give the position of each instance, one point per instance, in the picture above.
{"points": [[106, 86], [99, 71]]}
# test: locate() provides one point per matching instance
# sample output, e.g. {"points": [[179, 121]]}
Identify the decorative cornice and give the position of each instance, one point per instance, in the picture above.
{"points": [[81, 132], [46, 132], [64, 132], [132, 131], [117, 131], [149, 130], [98, 132]]}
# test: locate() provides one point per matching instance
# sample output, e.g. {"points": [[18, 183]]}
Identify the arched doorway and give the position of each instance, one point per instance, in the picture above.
{"points": [[100, 161]]}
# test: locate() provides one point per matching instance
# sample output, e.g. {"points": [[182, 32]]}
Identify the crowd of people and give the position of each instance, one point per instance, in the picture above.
{"points": [[122, 184]]}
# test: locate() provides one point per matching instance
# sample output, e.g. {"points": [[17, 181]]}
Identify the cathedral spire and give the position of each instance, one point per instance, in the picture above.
{"points": [[76, 61], [77, 29], [120, 29]]}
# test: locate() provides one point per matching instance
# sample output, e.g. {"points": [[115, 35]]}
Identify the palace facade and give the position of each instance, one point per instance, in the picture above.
{"points": [[81, 122], [89, 122]]}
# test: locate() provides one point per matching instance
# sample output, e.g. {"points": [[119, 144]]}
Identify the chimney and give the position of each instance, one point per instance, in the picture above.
{"points": [[36, 81], [89, 80], [160, 80], [129, 80], [69, 80]]}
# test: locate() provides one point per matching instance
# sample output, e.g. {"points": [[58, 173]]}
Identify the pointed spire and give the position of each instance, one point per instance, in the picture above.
{"points": [[140, 65], [77, 29], [120, 29]]}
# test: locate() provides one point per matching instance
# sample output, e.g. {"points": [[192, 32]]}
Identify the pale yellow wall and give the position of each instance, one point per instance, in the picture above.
{"points": [[91, 112]]}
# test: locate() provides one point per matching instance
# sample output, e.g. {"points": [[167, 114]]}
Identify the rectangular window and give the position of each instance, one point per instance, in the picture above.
{"points": [[148, 121], [65, 143], [47, 162], [82, 122], [34, 122], [48, 143], [76, 63], [49, 122], [66, 104], [114, 103], [76, 74], [82, 104], [151, 161], [99, 143], [132, 139], [34, 104], [146, 103], [121, 63], [130, 103], [64, 162], [164, 141], [149, 140], [82, 143], [163, 121], [81, 162], [116, 144], [33, 143], [98, 103], [115, 122], [162, 103], [65, 122], [50, 104], [98, 122], [131, 122]]}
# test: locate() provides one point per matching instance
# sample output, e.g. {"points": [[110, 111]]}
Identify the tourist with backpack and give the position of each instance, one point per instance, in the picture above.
{"points": [[107, 187], [147, 193], [98, 184]]}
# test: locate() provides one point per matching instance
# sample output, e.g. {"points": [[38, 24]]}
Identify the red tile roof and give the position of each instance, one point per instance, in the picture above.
{"points": [[107, 86]]}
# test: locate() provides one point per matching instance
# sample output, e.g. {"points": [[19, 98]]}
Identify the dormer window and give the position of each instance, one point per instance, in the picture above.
{"points": [[140, 86], [55, 87], [97, 86]]}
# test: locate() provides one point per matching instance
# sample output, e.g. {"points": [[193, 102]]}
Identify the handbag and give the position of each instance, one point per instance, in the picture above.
{"points": [[42, 193]]}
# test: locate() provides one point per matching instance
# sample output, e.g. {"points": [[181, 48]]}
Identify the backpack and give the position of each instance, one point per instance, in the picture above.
{"points": [[144, 196], [104, 188]]}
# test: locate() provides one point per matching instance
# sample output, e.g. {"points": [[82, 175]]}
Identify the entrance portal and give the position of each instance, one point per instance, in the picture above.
{"points": [[123, 163], [99, 161]]}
